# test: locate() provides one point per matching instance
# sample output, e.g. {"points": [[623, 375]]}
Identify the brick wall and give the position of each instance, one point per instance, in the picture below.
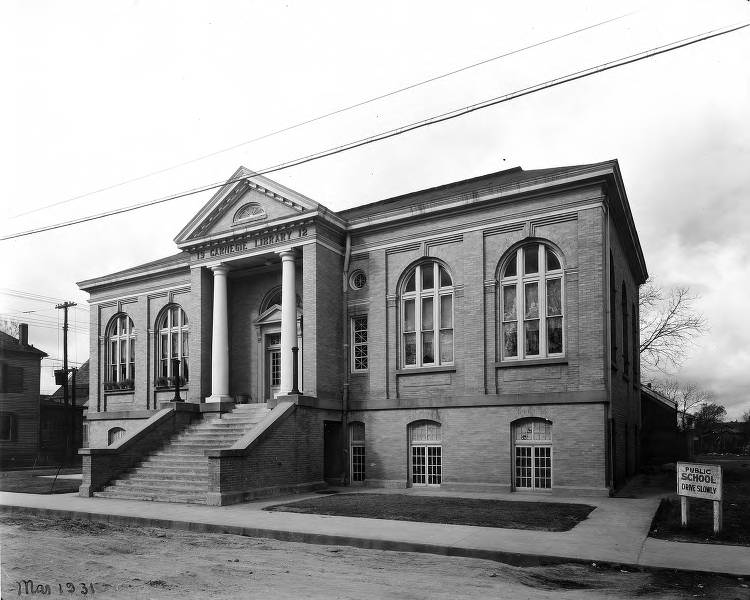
{"points": [[324, 360], [477, 448], [287, 458], [624, 371]]}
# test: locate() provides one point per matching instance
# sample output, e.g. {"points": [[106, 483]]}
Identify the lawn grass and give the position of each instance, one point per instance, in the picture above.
{"points": [[538, 516], [736, 526], [30, 482]]}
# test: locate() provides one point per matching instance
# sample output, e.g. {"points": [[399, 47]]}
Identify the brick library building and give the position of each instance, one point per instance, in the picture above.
{"points": [[480, 336]]}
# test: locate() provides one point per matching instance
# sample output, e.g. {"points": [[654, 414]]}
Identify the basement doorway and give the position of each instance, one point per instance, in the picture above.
{"points": [[333, 460]]}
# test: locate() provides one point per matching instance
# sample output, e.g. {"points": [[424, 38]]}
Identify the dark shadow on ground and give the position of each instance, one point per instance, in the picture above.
{"points": [[33, 481]]}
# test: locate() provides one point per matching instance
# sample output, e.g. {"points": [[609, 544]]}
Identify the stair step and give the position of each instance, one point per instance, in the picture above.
{"points": [[159, 475], [181, 498], [176, 458], [174, 466], [207, 437], [159, 487]]}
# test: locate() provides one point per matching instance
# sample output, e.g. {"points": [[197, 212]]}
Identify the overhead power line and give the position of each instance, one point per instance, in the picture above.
{"points": [[34, 297], [327, 115], [407, 128]]}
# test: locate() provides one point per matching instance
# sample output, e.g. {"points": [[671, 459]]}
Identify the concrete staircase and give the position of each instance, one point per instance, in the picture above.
{"points": [[179, 471]]}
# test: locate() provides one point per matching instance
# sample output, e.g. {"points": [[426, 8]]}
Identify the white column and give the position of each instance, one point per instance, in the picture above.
{"points": [[220, 339], [288, 318]]}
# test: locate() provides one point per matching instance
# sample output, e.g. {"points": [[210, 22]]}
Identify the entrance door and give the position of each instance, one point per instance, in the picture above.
{"points": [[333, 463], [273, 365]]}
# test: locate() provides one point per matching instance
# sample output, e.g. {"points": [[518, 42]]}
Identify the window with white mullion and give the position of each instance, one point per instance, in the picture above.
{"points": [[427, 316], [444, 318], [531, 304], [120, 350], [173, 342], [360, 353]]}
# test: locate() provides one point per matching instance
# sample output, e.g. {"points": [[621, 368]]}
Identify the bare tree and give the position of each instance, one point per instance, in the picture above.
{"points": [[688, 396], [10, 327], [669, 325]]}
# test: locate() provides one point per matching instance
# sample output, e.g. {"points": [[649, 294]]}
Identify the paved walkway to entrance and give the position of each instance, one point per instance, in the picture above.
{"points": [[615, 532]]}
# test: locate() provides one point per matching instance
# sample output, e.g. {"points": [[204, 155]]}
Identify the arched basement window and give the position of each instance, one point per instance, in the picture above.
{"points": [[115, 434], [357, 451], [532, 440], [427, 316], [172, 341], [425, 453], [531, 304], [120, 351]]}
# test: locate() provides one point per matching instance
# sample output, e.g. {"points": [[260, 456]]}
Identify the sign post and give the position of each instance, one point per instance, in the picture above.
{"points": [[700, 481]]}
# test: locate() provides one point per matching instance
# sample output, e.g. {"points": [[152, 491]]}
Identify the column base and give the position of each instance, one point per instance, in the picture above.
{"points": [[219, 398]]}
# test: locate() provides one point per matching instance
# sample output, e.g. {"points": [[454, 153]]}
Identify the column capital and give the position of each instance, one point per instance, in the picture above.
{"points": [[289, 254], [220, 269]]}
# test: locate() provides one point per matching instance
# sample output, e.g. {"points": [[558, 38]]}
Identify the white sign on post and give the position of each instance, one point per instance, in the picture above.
{"points": [[699, 481]]}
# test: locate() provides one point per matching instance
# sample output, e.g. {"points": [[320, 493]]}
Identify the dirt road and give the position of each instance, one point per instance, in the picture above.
{"points": [[111, 561]]}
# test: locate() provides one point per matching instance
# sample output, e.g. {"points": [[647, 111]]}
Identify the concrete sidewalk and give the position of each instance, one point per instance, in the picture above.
{"points": [[615, 532]]}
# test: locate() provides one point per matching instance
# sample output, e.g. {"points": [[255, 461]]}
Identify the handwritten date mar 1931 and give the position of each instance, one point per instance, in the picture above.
{"points": [[29, 587]]}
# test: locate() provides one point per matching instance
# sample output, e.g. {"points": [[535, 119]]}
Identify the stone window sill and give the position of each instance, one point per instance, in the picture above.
{"points": [[423, 370], [531, 362], [118, 392]]}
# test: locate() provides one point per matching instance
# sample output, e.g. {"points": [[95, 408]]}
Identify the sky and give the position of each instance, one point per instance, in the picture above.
{"points": [[102, 93]]}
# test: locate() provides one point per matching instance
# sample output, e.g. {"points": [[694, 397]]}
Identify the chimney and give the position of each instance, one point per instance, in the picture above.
{"points": [[23, 334]]}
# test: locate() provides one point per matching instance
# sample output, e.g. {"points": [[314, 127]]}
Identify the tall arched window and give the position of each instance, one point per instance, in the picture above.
{"points": [[425, 453], [120, 340], [531, 303], [532, 439], [427, 316], [172, 343]]}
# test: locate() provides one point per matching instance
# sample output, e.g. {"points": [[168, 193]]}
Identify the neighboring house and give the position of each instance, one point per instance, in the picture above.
{"points": [[20, 367], [478, 335], [60, 426], [661, 440]]}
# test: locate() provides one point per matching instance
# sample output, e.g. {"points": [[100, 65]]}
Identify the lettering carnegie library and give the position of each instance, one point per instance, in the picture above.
{"points": [[255, 242]]}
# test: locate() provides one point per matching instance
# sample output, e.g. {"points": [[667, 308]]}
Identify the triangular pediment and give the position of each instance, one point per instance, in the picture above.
{"points": [[273, 315], [246, 201]]}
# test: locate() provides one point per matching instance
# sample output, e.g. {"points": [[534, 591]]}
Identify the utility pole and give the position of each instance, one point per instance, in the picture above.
{"points": [[68, 421]]}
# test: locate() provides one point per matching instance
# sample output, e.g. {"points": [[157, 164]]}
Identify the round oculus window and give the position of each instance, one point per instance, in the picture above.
{"points": [[358, 280]]}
